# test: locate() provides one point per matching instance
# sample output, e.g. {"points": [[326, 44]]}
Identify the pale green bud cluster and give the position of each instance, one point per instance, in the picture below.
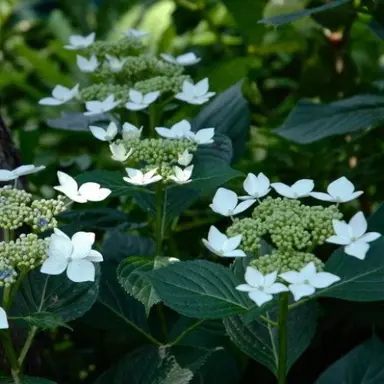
{"points": [[128, 46], [7, 274], [102, 91], [43, 213], [162, 84]]}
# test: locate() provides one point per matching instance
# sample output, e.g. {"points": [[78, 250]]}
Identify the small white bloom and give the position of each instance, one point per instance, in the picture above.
{"points": [[130, 131], [185, 158], [119, 152], [138, 101], [61, 95], [180, 130], [87, 192], [79, 42], [203, 136], [256, 186], [87, 65], [185, 60], [74, 255], [305, 282], [104, 134], [115, 64], [182, 176], [339, 191], [96, 107], [261, 288], [3, 319], [131, 32], [225, 202], [7, 175], [136, 177], [354, 235], [195, 93], [301, 188], [221, 245]]}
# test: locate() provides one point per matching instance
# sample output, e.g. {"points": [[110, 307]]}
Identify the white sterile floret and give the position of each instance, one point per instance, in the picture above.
{"points": [[185, 158], [130, 131], [339, 191], [138, 101], [74, 255], [80, 42], [305, 282], [261, 288], [185, 59], [96, 107], [131, 32], [195, 93], [115, 64], [87, 192], [225, 202], [256, 186], [180, 130], [353, 235], [7, 175], [61, 95], [182, 176], [301, 188], [203, 136], [119, 152], [3, 319], [87, 65], [136, 177], [104, 134], [222, 245]]}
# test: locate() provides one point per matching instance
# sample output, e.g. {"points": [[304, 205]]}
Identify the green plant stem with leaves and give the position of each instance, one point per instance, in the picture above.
{"points": [[283, 338]]}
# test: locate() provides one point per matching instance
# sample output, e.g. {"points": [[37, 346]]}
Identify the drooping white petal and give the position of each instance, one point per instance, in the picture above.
{"points": [[232, 243], [276, 288], [136, 96], [165, 132], [119, 152], [68, 182], [292, 277], [235, 253], [209, 246], [323, 280], [82, 244], [260, 297], [185, 158], [301, 290], [93, 192], [201, 88], [50, 101], [369, 237], [253, 277], [98, 132], [3, 319], [150, 97], [337, 240], [27, 169], [245, 288], [283, 189], [95, 256], [81, 270], [224, 201], [358, 224], [216, 238], [6, 175], [204, 136], [54, 265], [188, 59], [321, 196], [135, 107], [244, 205], [357, 249]]}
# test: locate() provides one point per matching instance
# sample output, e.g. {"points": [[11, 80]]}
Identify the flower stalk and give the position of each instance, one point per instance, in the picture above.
{"points": [[283, 337]]}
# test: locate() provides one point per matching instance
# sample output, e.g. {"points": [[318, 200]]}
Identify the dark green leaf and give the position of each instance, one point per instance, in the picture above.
{"points": [[25, 380], [376, 28], [45, 320]]}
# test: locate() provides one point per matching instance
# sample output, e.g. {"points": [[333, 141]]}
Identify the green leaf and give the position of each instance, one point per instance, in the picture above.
{"points": [[290, 17], [45, 320], [309, 122], [76, 121], [376, 28], [363, 365], [259, 340], [199, 289], [25, 380], [130, 276]]}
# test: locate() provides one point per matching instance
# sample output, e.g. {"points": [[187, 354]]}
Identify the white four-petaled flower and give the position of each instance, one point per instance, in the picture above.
{"points": [[74, 255], [203, 136], [339, 191], [136, 177], [87, 65], [222, 245], [180, 130], [96, 107], [185, 158], [80, 42], [305, 282], [119, 152], [225, 202], [256, 186], [182, 176], [3, 319], [301, 188], [353, 235], [185, 59], [104, 134], [61, 95], [7, 175], [138, 101], [87, 192], [115, 64], [130, 131], [131, 32], [195, 93], [261, 288]]}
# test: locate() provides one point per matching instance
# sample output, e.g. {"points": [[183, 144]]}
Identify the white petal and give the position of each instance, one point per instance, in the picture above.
{"points": [[245, 288], [27, 169], [292, 277], [54, 266], [50, 101], [95, 256], [224, 200], [98, 132], [59, 247], [337, 240], [251, 185], [93, 192], [82, 244], [232, 243], [270, 279], [235, 253], [358, 224], [308, 271], [150, 97], [301, 290], [341, 187], [60, 92], [165, 132], [350, 197], [369, 236], [182, 128], [216, 238], [81, 270], [276, 288], [112, 130], [358, 250], [243, 206], [322, 196], [136, 96], [212, 248], [135, 107], [205, 136], [134, 173], [342, 229], [6, 175], [260, 297], [188, 90], [303, 187], [283, 189], [323, 280], [3, 319], [58, 232], [253, 277], [201, 88], [169, 58], [68, 182]]}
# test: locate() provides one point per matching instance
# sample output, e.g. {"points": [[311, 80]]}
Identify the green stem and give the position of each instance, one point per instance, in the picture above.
{"points": [[10, 292], [152, 119], [183, 334], [268, 321], [283, 338], [27, 345], [159, 218], [10, 352]]}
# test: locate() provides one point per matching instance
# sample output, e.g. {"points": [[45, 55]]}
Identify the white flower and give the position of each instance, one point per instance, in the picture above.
{"points": [[79, 42], [138, 101], [104, 134], [354, 235], [185, 158], [203, 136], [130, 131], [339, 191], [305, 282], [96, 107], [3, 319], [60, 95], [7, 175], [261, 288], [119, 152], [87, 65], [131, 32], [182, 176], [180, 130], [185, 60], [225, 203], [221, 245], [74, 255], [195, 93], [256, 186], [115, 64], [136, 177], [87, 192], [301, 188]]}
